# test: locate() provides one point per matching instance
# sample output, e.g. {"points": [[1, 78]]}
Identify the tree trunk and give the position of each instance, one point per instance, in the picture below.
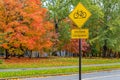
{"points": [[38, 55], [104, 49], [30, 54], [6, 54], [19, 56], [56, 27]]}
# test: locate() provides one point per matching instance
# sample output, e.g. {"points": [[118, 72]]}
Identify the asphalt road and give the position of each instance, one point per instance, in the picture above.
{"points": [[63, 77], [104, 75]]}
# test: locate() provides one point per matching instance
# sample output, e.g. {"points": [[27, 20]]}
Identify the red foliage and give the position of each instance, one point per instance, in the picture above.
{"points": [[73, 46]]}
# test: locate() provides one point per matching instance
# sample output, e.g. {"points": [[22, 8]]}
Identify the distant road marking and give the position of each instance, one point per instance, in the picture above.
{"points": [[101, 77]]}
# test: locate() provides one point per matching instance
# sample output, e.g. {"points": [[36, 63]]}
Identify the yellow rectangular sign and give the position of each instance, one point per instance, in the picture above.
{"points": [[79, 34]]}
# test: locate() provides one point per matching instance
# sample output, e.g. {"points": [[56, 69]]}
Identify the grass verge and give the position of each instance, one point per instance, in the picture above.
{"points": [[87, 61], [37, 72], [32, 73], [99, 68], [38, 62], [52, 62]]}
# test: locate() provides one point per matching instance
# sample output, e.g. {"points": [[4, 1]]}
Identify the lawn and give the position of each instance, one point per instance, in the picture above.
{"points": [[53, 62], [99, 68], [38, 62], [31, 73], [90, 61], [87, 61]]}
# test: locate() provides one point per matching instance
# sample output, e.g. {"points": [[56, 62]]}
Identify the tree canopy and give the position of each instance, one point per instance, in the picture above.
{"points": [[25, 25]]}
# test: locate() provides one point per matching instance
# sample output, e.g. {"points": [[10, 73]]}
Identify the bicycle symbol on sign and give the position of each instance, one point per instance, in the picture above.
{"points": [[79, 14]]}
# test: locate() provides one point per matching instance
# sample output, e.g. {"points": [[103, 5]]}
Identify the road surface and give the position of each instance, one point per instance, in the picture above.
{"points": [[63, 77], [104, 75]]}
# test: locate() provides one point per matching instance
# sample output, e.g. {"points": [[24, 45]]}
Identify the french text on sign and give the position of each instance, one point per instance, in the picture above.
{"points": [[79, 33]]}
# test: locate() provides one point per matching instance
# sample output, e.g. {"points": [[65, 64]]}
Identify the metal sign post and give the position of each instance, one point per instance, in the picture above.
{"points": [[80, 53], [79, 16]]}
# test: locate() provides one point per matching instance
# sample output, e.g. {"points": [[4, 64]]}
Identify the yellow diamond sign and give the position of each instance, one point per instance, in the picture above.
{"points": [[79, 15]]}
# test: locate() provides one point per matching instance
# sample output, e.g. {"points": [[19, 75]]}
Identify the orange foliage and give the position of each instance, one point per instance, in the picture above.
{"points": [[25, 23], [5, 46]]}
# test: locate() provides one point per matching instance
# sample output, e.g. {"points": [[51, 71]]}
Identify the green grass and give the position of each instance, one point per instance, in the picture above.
{"points": [[37, 72], [32, 73], [99, 68], [38, 63], [86, 61], [54, 62]]}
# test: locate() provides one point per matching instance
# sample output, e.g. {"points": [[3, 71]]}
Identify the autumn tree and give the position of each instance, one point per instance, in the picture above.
{"points": [[59, 11], [25, 25]]}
